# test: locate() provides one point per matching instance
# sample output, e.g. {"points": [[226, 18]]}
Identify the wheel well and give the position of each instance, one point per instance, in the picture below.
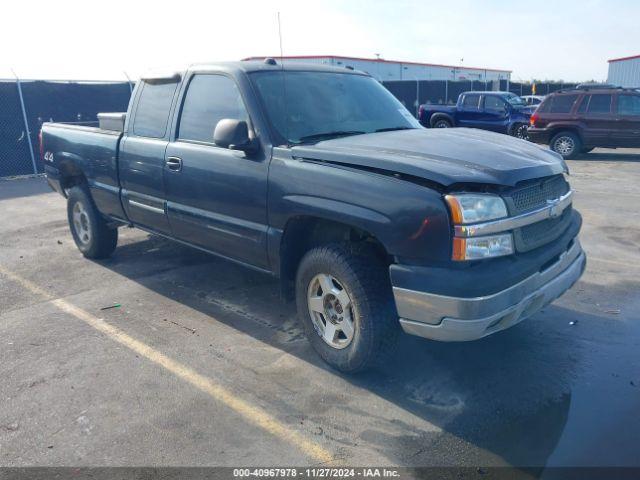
{"points": [[71, 175], [301, 234], [558, 130]]}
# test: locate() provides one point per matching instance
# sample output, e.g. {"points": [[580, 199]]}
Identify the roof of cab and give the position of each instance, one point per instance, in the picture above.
{"points": [[262, 66]]}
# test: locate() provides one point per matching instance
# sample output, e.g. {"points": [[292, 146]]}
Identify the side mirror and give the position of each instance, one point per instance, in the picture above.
{"points": [[234, 135]]}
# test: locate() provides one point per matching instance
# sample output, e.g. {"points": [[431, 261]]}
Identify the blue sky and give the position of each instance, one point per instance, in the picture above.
{"points": [[567, 39]]}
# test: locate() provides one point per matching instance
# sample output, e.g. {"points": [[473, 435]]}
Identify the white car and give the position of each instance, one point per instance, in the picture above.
{"points": [[533, 100]]}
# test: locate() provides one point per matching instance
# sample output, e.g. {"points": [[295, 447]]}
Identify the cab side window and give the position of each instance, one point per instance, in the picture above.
{"points": [[209, 99], [629, 105], [600, 103], [583, 104], [152, 111], [493, 103], [561, 103], [471, 102]]}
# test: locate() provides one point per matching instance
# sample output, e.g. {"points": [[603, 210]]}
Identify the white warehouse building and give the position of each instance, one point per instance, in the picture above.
{"points": [[388, 70], [625, 72]]}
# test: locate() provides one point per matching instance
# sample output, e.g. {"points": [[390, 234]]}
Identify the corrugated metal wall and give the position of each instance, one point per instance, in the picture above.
{"points": [[625, 73], [386, 71]]}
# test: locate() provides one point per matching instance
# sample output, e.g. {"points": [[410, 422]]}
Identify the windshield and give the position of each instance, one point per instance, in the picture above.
{"points": [[515, 100], [322, 105]]}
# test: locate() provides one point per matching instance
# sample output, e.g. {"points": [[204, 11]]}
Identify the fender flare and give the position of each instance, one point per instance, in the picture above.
{"points": [[441, 116], [357, 216], [69, 166]]}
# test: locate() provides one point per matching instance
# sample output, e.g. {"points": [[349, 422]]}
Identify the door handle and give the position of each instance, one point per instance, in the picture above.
{"points": [[174, 164]]}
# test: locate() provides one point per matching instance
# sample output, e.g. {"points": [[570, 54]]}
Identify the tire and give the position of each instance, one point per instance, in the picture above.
{"points": [[360, 283], [441, 123], [519, 130], [93, 237], [567, 144]]}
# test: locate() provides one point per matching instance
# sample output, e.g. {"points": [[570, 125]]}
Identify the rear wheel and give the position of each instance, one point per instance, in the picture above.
{"points": [[345, 305], [520, 130], [567, 144], [91, 233], [441, 123]]}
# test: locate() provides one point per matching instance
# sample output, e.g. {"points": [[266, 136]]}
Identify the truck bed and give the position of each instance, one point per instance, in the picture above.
{"points": [[88, 151]]}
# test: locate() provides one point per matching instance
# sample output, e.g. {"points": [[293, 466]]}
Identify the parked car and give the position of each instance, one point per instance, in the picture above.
{"points": [[502, 112], [319, 176], [532, 100], [576, 121]]}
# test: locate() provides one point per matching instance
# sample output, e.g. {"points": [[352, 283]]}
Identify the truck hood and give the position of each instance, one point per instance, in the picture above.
{"points": [[445, 156], [527, 110]]}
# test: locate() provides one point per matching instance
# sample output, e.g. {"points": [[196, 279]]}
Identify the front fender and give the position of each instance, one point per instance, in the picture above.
{"points": [[328, 209], [410, 220]]}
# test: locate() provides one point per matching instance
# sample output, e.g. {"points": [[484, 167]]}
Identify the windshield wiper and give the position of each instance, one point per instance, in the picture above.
{"points": [[392, 129], [328, 135]]}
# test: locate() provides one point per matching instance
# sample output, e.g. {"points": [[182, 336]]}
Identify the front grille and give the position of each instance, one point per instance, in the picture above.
{"points": [[535, 195], [532, 196], [540, 233]]}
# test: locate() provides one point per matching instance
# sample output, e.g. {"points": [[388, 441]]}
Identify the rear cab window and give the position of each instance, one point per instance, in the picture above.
{"points": [[152, 112]]}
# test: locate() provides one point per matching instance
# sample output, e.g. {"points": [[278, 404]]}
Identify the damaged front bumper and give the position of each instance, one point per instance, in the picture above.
{"points": [[449, 318]]}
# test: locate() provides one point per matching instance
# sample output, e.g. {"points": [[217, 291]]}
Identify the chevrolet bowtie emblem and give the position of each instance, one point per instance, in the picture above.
{"points": [[554, 208]]}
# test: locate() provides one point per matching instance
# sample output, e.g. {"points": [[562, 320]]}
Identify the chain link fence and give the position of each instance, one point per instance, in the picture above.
{"points": [[542, 88], [15, 157], [25, 105], [413, 93]]}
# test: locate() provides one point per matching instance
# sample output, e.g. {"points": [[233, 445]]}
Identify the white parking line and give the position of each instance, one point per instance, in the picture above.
{"points": [[249, 412]]}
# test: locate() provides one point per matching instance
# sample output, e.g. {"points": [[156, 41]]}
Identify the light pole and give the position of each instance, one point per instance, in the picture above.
{"points": [[417, 97]]}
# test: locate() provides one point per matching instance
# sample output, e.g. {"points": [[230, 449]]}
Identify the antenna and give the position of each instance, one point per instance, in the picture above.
{"points": [[284, 84], [128, 80], [280, 37]]}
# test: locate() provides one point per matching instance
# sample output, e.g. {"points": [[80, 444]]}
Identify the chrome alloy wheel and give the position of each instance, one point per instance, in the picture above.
{"points": [[564, 146], [81, 223], [330, 310], [441, 124], [522, 132]]}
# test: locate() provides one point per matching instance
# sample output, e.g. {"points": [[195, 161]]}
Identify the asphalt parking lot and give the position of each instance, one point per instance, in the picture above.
{"points": [[201, 364]]}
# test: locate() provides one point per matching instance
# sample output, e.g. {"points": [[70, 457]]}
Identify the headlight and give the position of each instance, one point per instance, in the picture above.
{"points": [[473, 208], [475, 248]]}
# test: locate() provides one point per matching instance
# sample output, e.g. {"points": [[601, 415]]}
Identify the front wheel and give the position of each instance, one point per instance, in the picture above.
{"points": [[567, 144], [344, 301], [91, 233]]}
